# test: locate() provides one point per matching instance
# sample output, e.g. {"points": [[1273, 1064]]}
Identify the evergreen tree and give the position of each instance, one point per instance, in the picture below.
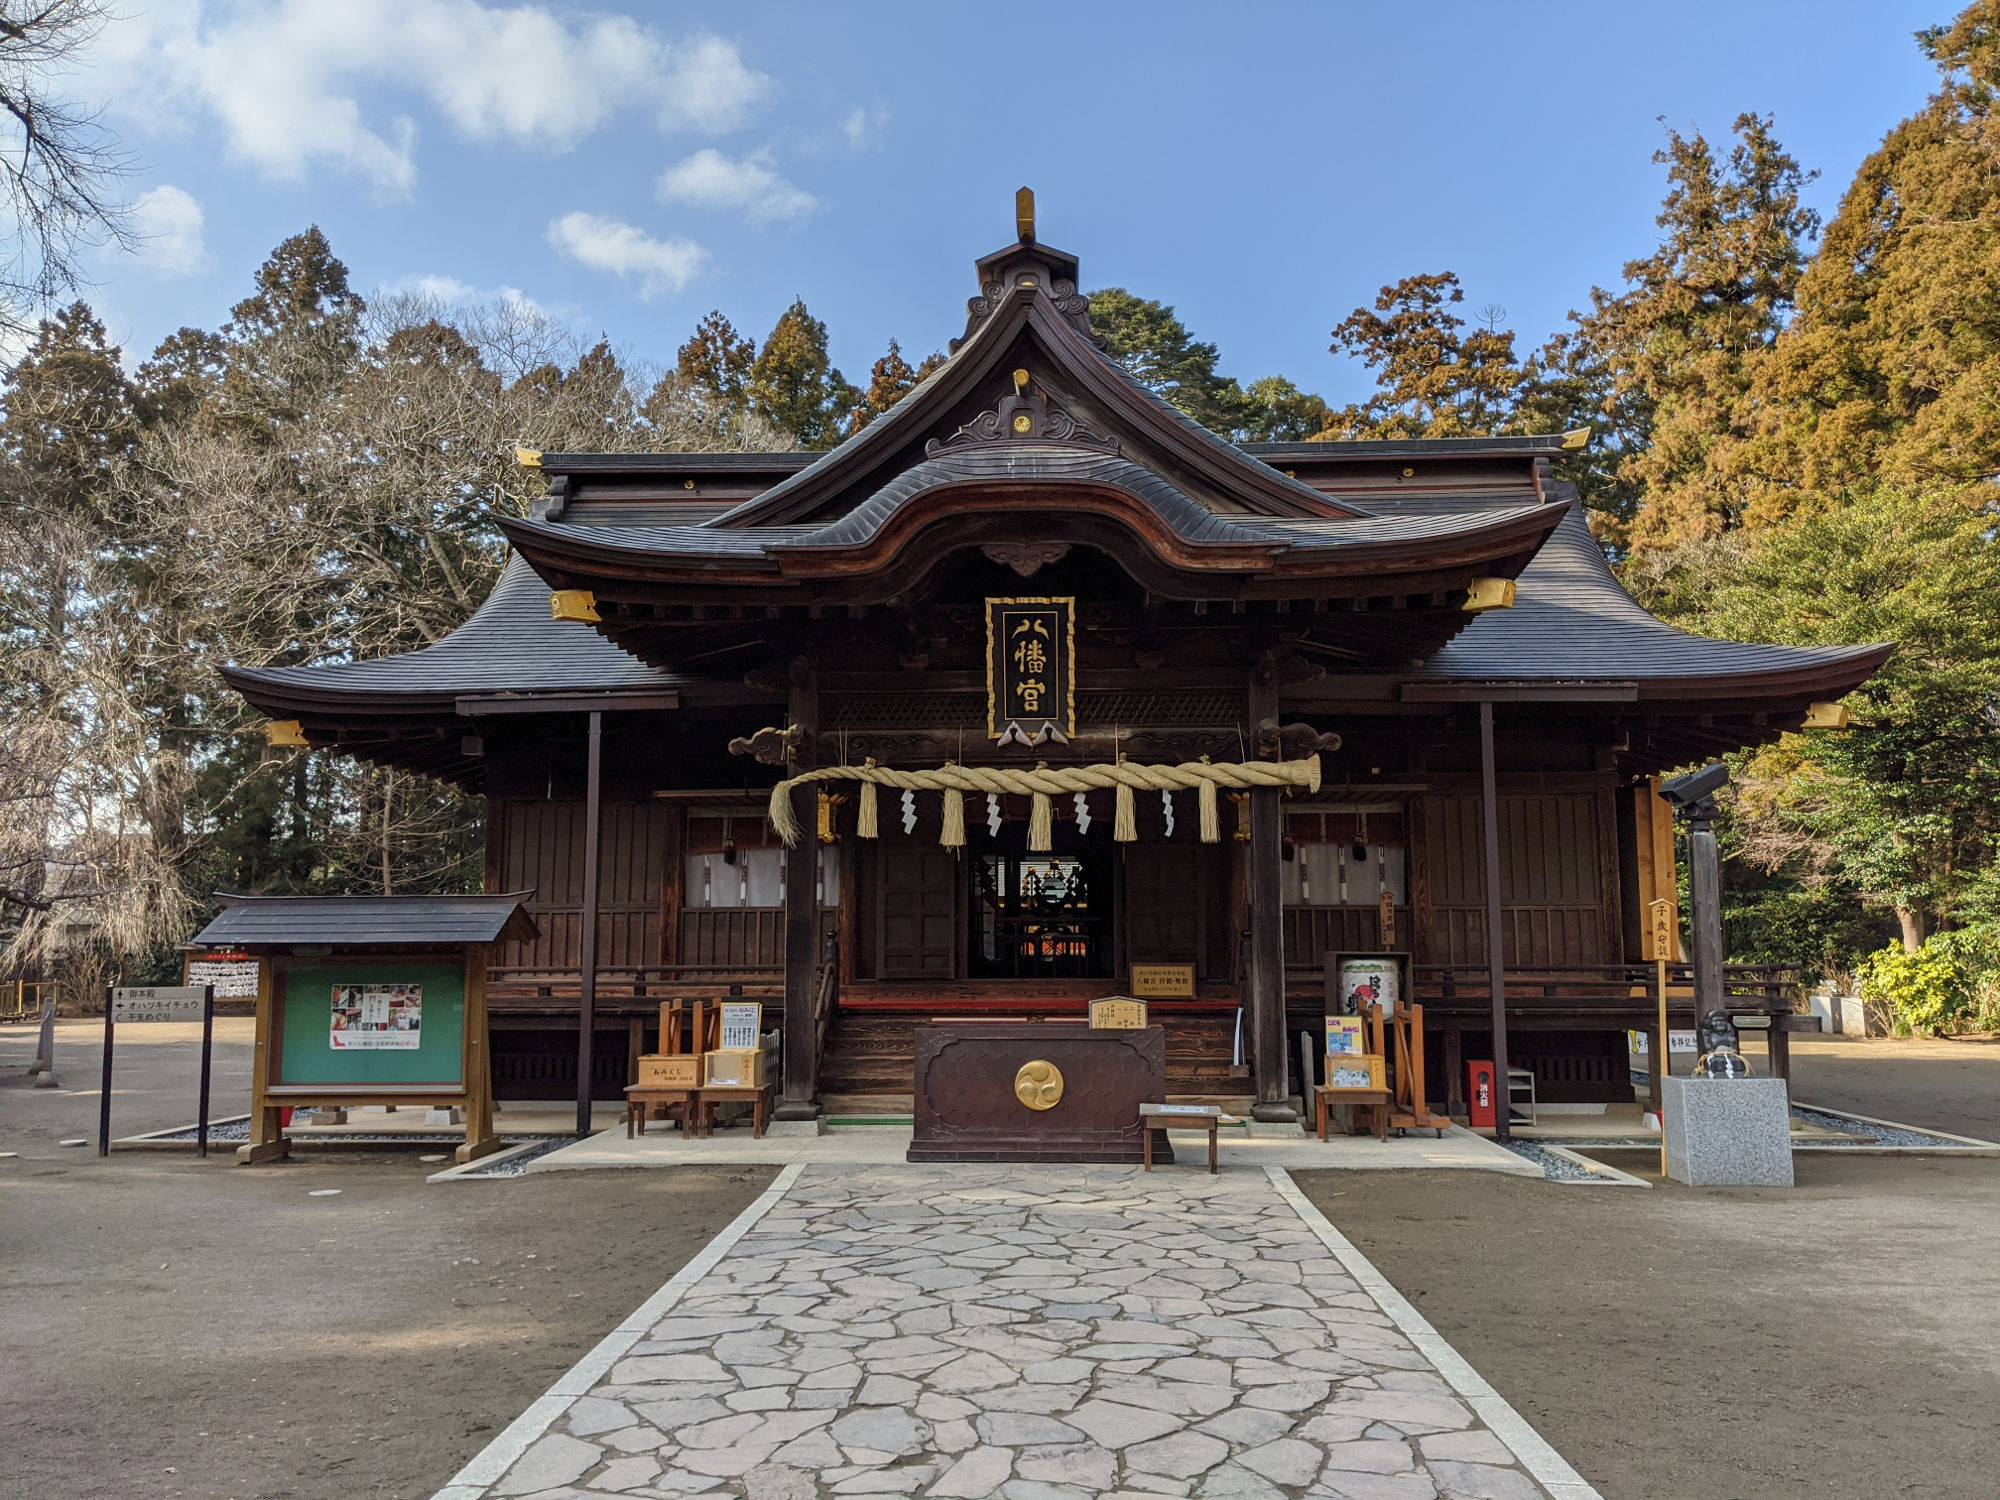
{"points": [[1892, 370], [1434, 376], [290, 343], [1684, 342], [716, 361], [1158, 351], [1274, 410], [890, 381], [794, 386], [69, 414]]}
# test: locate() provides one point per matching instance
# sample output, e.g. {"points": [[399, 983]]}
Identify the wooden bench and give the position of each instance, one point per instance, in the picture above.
{"points": [[1375, 1101], [1189, 1117], [642, 1099], [710, 1095]]}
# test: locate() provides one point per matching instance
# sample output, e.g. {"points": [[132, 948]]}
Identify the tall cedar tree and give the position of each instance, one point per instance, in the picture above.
{"points": [[292, 341], [1892, 369], [1686, 338], [716, 362], [793, 384], [1434, 376], [890, 381], [1157, 350]]}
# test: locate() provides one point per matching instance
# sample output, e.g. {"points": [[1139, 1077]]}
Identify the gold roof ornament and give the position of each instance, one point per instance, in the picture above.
{"points": [[528, 458], [1826, 716], [1024, 215], [573, 604], [1576, 439], [286, 734], [1488, 593]]}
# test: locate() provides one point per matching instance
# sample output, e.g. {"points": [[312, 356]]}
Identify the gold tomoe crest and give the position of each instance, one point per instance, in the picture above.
{"points": [[1039, 1085]]}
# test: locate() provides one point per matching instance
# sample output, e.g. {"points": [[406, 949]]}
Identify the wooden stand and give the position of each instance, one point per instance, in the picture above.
{"points": [[1375, 1101], [1401, 1041]]}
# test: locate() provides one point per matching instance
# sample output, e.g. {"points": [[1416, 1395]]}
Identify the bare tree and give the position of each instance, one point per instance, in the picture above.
{"points": [[59, 166]]}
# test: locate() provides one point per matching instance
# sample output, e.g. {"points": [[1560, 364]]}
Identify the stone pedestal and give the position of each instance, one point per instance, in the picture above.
{"points": [[1728, 1132], [816, 1126]]}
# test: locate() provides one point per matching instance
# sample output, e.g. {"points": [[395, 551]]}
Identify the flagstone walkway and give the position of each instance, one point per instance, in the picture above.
{"points": [[1053, 1333]]}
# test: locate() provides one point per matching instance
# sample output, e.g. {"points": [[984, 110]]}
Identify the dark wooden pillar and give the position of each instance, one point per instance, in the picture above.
{"points": [[1705, 908], [586, 1015], [1265, 1018], [1495, 967], [1267, 958], [799, 1095]]}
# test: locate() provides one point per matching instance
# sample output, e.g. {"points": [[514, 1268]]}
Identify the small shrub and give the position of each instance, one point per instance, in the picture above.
{"points": [[1929, 991]]}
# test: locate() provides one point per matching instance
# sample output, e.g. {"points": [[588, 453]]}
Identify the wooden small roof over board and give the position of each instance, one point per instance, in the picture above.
{"points": [[261, 923]]}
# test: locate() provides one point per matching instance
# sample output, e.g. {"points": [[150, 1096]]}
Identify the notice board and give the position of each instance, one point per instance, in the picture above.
{"points": [[370, 1020]]}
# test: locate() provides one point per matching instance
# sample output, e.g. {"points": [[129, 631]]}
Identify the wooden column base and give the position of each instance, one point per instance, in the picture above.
{"points": [[473, 1150], [249, 1156]]}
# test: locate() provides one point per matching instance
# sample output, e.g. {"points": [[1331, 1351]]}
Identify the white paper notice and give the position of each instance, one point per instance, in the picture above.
{"points": [[377, 1017]]}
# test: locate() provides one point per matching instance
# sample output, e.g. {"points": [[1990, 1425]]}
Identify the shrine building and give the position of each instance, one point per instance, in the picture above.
{"points": [[1086, 701]]}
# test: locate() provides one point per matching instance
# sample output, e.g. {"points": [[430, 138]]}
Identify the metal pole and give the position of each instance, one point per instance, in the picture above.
{"points": [[104, 1090], [207, 1053], [1495, 969], [586, 1019]]}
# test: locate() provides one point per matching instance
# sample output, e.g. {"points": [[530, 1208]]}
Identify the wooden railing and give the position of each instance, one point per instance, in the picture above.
{"points": [[1447, 987], [628, 982]]}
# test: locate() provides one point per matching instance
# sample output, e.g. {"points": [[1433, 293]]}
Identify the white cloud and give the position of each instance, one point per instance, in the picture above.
{"points": [[608, 245], [708, 179], [455, 293], [286, 81], [863, 128], [169, 223], [708, 88]]}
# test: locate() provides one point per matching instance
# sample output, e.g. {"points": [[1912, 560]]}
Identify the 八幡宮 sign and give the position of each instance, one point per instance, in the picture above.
{"points": [[1030, 669], [131, 1005]]}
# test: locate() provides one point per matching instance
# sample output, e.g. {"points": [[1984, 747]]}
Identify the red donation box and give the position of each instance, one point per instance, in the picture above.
{"points": [[1479, 1094]]}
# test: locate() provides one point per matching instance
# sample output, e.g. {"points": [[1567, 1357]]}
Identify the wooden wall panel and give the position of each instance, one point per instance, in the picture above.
{"points": [[1553, 880], [542, 847]]}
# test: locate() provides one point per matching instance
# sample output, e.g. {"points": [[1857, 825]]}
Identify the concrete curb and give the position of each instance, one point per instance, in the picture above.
{"points": [[1611, 1175], [492, 1461], [1848, 1114], [1549, 1468]]}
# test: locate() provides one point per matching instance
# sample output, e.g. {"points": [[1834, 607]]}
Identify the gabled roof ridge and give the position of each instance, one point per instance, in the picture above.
{"points": [[1029, 308]]}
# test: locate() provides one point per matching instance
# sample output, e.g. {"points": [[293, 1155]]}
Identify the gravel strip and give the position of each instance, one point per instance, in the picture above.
{"points": [[1876, 1135], [1554, 1168]]}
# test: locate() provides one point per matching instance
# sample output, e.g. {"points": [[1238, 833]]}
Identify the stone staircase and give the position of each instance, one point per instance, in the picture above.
{"points": [[870, 1056]]}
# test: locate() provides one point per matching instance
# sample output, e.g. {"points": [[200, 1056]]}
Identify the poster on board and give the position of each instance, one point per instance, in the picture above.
{"points": [[377, 1017]]}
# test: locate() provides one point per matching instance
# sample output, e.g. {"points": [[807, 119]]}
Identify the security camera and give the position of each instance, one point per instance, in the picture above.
{"points": [[1683, 792]]}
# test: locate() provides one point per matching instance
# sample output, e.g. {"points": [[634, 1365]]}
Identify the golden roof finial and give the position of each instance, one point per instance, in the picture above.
{"points": [[1024, 215]]}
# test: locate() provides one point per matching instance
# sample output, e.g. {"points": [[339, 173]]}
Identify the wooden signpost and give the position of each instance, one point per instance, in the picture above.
{"points": [[187, 1002], [1665, 933]]}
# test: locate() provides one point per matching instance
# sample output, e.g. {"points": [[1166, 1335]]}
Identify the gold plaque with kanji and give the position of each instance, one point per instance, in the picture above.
{"points": [[1031, 667], [1163, 981]]}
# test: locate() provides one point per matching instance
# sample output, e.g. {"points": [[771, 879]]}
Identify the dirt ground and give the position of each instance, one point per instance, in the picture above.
{"points": [[175, 1328], [1952, 1086], [171, 1328], [1839, 1341]]}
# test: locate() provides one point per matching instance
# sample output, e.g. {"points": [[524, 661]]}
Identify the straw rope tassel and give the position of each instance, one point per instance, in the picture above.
{"points": [[1041, 824], [1125, 822], [953, 836], [1211, 820], [1044, 782]]}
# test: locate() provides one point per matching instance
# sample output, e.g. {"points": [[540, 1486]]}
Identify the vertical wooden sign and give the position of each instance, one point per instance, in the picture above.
{"points": [[1030, 667]]}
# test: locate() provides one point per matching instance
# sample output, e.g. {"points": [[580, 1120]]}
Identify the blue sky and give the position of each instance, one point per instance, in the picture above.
{"points": [[1263, 167]]}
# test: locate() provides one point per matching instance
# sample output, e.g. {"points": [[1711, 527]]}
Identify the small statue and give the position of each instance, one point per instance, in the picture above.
{"points": [[1719, 1055]]}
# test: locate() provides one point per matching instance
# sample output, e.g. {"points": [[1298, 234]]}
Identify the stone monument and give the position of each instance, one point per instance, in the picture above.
{"points": [[1723, 1127]]}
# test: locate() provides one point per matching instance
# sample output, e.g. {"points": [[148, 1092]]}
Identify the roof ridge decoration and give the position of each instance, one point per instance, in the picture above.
{"points": [[1023, 417], [1029, 264]]}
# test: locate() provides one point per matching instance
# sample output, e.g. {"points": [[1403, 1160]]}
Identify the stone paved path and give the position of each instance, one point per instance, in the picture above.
{"points": [[1034, 1333]]}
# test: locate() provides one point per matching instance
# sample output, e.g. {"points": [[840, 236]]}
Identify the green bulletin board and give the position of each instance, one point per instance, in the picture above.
{"points": [[307, 1054]]}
